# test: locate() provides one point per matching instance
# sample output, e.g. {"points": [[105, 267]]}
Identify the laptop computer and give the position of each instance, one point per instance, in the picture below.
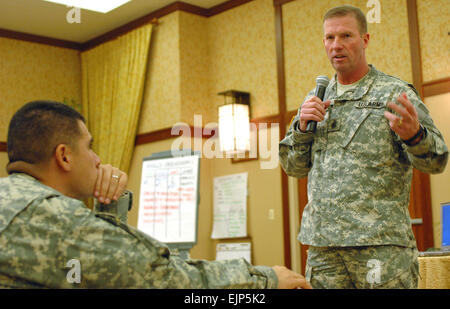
{"points": [[445, 228]]}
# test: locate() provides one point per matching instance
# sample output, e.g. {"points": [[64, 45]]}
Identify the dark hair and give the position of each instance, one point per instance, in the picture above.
{"points": [[38, 127], [345, 10]]}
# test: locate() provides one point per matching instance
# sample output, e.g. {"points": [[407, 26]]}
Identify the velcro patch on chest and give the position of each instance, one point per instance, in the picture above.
{"points": [[334, 125], [370, 104]]}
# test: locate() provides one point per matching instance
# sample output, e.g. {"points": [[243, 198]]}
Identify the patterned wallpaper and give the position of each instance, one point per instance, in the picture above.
{"points": [[434, 25], [3, 161], [32, 71], [194, 67], [193, 58], [305, 56], [161, 106], [243, 56]]}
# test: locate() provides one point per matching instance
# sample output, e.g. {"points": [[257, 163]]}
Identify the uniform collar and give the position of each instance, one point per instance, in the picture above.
{"points": [[354, 93], [30, 178]]}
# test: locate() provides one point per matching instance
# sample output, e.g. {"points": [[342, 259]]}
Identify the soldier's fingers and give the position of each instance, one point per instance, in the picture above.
{"points": [[118, 185], [123, 180], [401, 111], [311, 117], [287, 279], [389, 116], [403, 99], [98, 182], [393, 119], [316, 104], [313, 99], [113, 185], [313, 111], [106, 181], [304, 284], [298, 282]]}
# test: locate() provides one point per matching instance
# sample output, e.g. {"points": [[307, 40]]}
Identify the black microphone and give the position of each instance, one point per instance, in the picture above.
{"points": [[321, 84]]}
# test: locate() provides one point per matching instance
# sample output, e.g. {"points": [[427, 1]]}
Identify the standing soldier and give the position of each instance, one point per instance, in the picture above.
{"points": [[359, 166]]}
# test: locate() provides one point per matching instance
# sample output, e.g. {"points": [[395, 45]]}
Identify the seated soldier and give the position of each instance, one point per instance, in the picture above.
{"points": [[45, 226]]}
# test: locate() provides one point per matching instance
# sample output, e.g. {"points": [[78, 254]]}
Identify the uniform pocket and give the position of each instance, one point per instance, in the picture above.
{"points": [[368, 138], [407, 280]]}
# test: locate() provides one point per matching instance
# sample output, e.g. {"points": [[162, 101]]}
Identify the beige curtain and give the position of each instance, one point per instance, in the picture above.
{"points": [[113, 76]]}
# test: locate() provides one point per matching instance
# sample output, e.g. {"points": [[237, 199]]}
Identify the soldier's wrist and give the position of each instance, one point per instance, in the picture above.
{"points": [[416, 138]]}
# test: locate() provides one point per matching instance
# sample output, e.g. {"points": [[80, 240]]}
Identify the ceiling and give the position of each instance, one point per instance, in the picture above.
{"points": [[48, 19]]}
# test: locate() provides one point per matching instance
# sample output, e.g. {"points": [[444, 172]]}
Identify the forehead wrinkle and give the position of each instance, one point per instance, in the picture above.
{"points": [[345, 26]]}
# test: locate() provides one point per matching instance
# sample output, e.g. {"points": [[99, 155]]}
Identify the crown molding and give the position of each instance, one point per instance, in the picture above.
{"points": [[110, 35]]}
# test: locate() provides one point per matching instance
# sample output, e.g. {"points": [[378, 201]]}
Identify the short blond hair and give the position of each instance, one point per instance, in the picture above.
{"points": [[345, 10]]}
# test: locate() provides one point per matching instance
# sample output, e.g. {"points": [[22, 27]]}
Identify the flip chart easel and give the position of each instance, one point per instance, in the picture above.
{"points": [[169, 197]]}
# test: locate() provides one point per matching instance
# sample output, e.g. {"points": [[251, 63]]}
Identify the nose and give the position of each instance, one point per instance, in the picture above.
{"points": [[337, 43]]}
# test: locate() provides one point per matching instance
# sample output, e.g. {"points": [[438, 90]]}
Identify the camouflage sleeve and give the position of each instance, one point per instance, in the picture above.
{"points": [[430, 155], [227, 274], [113, 254], [295, 149]]}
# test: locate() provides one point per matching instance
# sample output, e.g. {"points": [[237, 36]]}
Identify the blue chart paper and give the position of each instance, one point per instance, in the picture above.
{"points": [[168, 199]]}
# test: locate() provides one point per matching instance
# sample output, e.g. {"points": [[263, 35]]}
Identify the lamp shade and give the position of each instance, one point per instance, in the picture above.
{"points": [[234, 128]]}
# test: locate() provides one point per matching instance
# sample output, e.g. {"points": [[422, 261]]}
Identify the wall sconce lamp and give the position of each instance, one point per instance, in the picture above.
{"points": [[234, 122]]}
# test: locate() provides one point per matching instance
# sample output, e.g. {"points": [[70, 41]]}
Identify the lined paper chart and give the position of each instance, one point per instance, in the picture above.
{"points": [[233, 251], [168, 199], [230, 206]]}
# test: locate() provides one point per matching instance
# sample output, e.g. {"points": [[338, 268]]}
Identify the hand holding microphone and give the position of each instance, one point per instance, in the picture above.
{"points": [[313, 110]]}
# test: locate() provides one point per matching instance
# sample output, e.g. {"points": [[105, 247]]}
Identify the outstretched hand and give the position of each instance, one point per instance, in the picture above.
{"points": [[406, 124]]}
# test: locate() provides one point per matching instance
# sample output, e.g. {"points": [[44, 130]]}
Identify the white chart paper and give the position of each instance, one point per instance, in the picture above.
{"points": [[233, 251], [168, 199], [230, 206]]}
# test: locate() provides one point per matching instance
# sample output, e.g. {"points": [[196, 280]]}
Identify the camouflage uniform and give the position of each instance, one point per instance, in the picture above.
{"points": [[384, 267], [42, 230], [359, 171]]}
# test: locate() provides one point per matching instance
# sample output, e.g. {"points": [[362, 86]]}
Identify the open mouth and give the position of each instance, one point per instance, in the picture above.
{"points": [[340, 57]]}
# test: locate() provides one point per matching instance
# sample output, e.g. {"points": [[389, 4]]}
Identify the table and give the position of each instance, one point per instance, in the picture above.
{"points": [[434, 272]]}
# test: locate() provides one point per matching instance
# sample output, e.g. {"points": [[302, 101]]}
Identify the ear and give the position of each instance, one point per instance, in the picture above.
{"points": [[63, 157], [366, 38]]}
